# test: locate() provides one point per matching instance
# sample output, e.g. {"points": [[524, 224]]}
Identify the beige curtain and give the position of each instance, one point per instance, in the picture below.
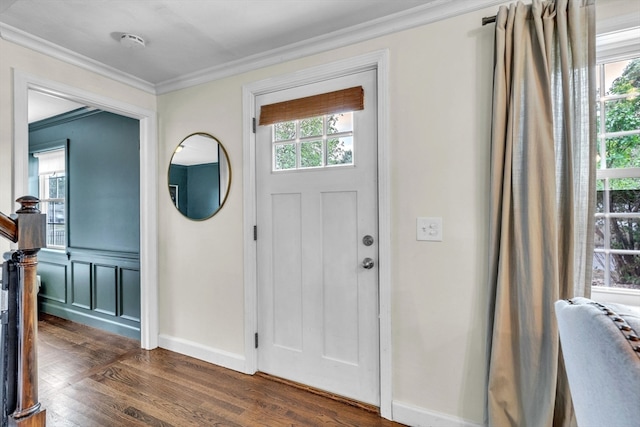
{"points": [[542, 202]]}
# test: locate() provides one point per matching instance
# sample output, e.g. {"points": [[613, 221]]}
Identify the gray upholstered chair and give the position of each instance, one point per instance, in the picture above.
{"points": [[601, 350]]}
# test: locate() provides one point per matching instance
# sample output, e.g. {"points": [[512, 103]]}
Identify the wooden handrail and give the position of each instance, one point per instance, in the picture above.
{"points": [[29, 231], [8, 228]]}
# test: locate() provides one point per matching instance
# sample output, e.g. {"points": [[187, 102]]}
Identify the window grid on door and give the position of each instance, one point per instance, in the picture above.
{"points": [[313, 143]]}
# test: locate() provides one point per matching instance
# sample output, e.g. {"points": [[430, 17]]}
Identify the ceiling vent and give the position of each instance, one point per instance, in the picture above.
{"points": [[132, 41]]}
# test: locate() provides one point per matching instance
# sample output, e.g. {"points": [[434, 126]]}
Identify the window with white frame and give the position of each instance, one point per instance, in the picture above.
{"points": [[616, 262], [313, 132], [315, 142], [52, 195]]}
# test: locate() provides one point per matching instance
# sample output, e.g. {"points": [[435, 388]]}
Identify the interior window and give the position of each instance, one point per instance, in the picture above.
{"points": [[52, 195], [616, 260]]}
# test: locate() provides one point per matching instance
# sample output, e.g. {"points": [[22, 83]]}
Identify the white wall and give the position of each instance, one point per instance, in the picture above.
{"points": [[440, 101]]}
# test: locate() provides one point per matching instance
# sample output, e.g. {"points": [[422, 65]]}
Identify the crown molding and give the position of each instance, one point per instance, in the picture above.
{"points": [[431, 12], [45, 47], [617, 23], [618, 45], [415, 17]]}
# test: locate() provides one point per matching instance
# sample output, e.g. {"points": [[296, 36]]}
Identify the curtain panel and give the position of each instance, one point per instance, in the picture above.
{"points": [[542, 202]]}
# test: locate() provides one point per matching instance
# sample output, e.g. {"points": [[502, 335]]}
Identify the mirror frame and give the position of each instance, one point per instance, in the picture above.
{"points": [[230, 174]]}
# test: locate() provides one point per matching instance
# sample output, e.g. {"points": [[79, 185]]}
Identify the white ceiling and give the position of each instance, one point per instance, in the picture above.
{"points": [[185, 36], [196, 150], [192, 41], [43, 106]]}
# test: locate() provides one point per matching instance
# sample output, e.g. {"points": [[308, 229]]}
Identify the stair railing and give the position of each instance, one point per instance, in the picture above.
{"points": [[28, 230]]}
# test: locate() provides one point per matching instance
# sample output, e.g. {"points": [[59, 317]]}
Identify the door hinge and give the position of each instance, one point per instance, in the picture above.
{"points": [[256, 339], [255, 232], [254, 124]]}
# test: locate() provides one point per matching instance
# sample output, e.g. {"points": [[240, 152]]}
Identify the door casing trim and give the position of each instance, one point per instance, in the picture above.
{"points": [[22, 83], [376, 60]]}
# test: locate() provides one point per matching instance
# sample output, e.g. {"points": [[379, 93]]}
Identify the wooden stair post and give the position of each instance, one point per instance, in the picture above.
{"points": [[31, 236]]}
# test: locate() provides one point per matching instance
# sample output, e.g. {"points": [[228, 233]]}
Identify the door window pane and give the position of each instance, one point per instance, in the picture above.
{"points": [[284, 131], [311, 154], [285, 156], [311, 127], [337, 123], [340, 151]]}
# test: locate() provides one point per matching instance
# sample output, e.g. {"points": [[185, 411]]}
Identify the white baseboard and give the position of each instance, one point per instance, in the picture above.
{"points": [[218, 357], [415, 416]]}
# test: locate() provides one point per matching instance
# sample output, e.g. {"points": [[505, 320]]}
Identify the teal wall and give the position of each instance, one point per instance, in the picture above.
{"points": [[96, 281], [198, 188]]}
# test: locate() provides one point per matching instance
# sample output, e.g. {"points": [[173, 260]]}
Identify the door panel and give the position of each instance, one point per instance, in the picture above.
{"points": [[340, 276], [317, 304], [287, 272]]}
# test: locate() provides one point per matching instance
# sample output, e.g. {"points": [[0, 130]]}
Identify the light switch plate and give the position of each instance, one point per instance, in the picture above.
{"points": [[429, 229]]}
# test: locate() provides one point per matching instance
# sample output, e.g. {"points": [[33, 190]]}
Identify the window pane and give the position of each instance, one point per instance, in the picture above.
{"points": [[340, 151], [600, 196], [624, 195], [58, 213], [61, 187], [622, 114], [53, 188], [311, 154], [285, 156], [311, 127], [625, 233], [623, 152], [598, 159], [599, 262], [619, 76], [342, 122], [50, 212], [625, 271], [600, 237], [56, 235], [284, 131]]}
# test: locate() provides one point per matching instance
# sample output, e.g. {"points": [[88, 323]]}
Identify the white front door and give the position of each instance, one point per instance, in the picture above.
{"points": [[318, 320]]}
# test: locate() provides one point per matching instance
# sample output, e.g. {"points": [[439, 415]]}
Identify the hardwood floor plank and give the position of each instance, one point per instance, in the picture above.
{"points": [[102, 404], [262, 396], [149, 394], [90, 378], [175, 384]]}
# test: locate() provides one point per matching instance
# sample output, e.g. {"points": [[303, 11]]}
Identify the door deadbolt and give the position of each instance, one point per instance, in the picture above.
{"points": [[367, 240]]}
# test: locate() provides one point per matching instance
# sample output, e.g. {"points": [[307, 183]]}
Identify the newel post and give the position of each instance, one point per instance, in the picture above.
{"points": [[31, 237]]}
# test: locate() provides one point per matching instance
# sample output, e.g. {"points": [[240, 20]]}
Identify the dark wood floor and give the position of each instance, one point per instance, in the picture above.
{"points": [[91, 378]]}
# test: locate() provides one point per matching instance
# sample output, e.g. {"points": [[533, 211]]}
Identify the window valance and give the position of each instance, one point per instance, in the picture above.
{"points": [[340, 101]]}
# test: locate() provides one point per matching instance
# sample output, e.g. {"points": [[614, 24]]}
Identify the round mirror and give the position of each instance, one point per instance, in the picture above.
{"points": [[199, 176]]}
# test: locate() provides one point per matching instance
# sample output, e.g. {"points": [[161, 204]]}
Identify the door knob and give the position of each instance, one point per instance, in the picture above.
{"points": [[367, 263]]}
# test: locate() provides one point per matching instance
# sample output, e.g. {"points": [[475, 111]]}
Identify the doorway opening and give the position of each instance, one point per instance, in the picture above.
{"points": [[23, 83], [84, 167]]}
